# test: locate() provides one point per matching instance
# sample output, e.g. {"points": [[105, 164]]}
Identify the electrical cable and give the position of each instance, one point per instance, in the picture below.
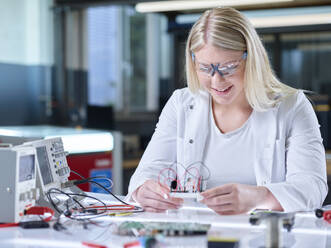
{"points": [[91, 212], [101, 186], [112, 207], [36, 210], [69, 212], [75, 172], [89, 180], [69, 183], [64, 193], [4, 225]]}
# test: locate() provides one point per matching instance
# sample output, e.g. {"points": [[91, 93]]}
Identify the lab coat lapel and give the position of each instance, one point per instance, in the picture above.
{"points": [[196, 132], [199, 131], [265, 132]]}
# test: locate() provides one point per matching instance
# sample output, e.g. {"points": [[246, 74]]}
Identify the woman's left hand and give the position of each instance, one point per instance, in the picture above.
{"points": [[238, 198]]}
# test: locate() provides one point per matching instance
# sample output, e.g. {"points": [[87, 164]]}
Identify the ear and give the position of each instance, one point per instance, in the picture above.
{"points": [[193, 56]]}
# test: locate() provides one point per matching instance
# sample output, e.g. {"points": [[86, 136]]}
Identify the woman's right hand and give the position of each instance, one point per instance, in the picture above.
{"points": [[155, 197]]}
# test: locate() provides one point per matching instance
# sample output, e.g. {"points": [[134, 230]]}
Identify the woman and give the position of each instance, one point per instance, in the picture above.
{"points": [[258, 138]]}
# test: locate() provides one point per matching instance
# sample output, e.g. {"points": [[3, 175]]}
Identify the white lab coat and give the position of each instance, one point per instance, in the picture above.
{"points": [[290, 157]]}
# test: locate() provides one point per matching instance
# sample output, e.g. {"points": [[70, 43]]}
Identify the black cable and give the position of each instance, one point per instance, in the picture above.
{"points": [[75, 172], [48, 195], [84, 178], [69, 195], [70, 183], [103, 187]]}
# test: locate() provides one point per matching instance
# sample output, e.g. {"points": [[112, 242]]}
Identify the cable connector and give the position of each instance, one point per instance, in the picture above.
{"points": [[73, 182], [68, 184], [34, 224]]}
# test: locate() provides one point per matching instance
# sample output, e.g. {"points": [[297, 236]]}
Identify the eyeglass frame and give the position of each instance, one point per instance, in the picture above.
{"points": [[216, 66]]}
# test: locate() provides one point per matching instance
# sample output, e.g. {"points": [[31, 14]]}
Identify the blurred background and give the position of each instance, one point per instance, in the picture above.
{"points": [[112, 65]]}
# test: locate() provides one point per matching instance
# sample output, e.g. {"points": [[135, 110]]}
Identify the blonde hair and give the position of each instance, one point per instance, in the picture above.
{"points": [[227, 28]]}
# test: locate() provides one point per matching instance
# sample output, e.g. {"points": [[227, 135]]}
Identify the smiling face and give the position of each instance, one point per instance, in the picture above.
{"points": [[229, 88]]}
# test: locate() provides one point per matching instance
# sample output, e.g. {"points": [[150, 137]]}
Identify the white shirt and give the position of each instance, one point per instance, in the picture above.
{"points": [[229, 156], [289, 154]]}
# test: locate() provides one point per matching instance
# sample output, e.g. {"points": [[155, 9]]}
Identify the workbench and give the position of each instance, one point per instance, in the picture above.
{"points": [[308, 231]]}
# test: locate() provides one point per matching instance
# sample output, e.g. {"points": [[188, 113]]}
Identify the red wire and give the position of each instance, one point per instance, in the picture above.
{"points": [[8, 225], [132, 244], [164, 169], [113, 207], [32, 211], [89, 244], [40, 211]]}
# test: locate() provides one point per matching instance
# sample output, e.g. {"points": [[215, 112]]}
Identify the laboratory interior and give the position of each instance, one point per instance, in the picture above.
{"points": [[86, 84]]}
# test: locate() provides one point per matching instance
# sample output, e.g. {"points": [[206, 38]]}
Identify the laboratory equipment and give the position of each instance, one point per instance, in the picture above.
{"points": [[274, 221], [53, 169], [18, 189], [91, 153]]}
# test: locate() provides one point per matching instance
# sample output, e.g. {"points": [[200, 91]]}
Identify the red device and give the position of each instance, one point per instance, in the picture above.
{"points": [[90, 165]]}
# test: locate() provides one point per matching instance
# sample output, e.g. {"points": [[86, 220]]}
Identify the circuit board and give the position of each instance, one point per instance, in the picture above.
{"points": [[132, 228]]}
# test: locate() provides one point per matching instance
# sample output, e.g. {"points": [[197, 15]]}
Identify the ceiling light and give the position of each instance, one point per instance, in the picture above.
{"points": [[298, 20], [277, 17], [163, 6]]}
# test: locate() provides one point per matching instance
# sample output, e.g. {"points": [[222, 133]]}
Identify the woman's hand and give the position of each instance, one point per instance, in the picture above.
{"points": [[239, 198], [155, 197]]}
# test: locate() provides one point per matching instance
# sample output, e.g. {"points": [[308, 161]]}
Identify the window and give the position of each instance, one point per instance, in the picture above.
{"points": [[119, 60], [104, 70]]}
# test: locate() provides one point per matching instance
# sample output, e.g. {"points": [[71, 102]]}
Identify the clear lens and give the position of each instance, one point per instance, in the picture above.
{"points": [[225, 70], [228, 69], [206, 69]]}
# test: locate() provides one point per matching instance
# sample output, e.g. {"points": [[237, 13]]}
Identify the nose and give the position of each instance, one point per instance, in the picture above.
{"points": [[217, 77]]}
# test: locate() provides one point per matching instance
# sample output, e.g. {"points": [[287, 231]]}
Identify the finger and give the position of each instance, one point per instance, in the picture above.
{"points": [[158, 204], [153, 195], [226, 212], [222, 208], [160, 189], [164, 193], [176, 200], [221, 190], [219, 200]]}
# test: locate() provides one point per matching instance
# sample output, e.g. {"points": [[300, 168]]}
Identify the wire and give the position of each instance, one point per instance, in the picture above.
{"points": [[103, 187], [197, 171], [3, 225], [111, 183], [75, 172], [137, 208], [64, 193], [69, 212], [35, 210], [112, 207]]}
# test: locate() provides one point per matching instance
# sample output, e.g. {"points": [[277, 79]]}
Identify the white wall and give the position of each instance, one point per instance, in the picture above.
{"points": [[26, 32]]}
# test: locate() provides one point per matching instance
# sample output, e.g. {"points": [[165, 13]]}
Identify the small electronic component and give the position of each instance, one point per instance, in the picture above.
{"points": [[214, 242], [185, 181], [186, 195], [17, 182], [164, 228], [34, 224], [323, 213], [190, 190]]}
